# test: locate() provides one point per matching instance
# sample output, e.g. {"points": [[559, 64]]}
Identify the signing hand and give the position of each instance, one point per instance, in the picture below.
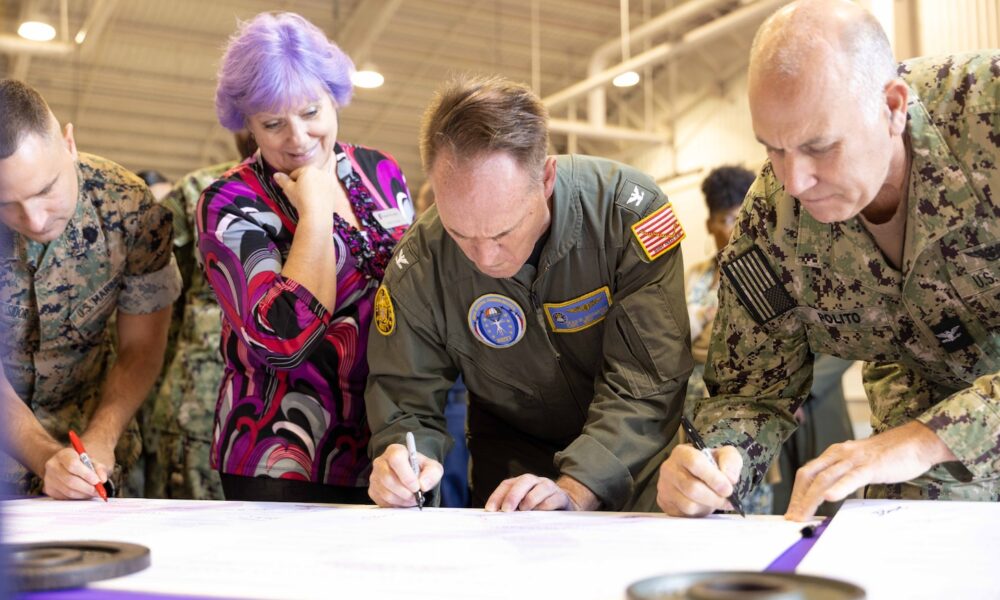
{"points": [[530, 492], [65, 477], [691, 486], [393, 482], [896, 455]]}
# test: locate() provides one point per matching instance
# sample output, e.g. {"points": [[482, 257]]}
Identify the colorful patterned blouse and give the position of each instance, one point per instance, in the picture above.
{"points": [[291, 401]]}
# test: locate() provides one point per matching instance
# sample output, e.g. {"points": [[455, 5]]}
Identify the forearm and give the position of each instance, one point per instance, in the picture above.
{"points": [[142, 340], [24, 437], [128, 383], [580, 495], [312, 260]]}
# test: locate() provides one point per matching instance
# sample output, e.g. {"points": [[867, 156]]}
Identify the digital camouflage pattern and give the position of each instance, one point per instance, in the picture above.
{"points": [[702, 287], [182, 411], [930, 332], [56, 301]]}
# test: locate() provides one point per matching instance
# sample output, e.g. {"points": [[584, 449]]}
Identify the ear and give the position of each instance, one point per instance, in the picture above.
{"points": [[69, 140], [897, 93], [549, 175]]}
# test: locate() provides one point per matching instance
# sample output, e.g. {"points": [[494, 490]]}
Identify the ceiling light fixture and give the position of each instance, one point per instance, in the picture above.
{"points": [[626, 79], [36, 30], [368, 77]]}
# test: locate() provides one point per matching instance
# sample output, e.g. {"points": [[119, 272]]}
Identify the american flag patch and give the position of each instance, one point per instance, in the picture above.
{"points": [[658, 232], [758, 287]]}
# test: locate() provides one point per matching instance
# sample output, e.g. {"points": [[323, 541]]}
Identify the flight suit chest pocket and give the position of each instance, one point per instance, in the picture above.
{"points": [[859, 334], [89, 318], [975, 276], [505, 393]]}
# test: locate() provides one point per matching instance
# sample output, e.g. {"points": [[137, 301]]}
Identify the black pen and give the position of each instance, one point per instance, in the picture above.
{"points": [[699, 443]]}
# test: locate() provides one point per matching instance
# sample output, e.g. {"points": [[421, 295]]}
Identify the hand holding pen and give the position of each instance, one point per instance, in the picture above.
{"points": [[400, 474], [85, 459], [695, 481]]}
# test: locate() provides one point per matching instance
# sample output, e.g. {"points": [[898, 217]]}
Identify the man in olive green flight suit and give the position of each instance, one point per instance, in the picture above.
{"points": [[554, 286], [81, 241], [872, 233]]}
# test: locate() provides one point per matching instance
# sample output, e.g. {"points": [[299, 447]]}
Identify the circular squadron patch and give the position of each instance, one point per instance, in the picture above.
{"points": [[496, 321], [385, 316]]}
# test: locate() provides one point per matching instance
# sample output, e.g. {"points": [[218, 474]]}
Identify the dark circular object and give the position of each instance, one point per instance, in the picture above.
{"points": [[742, 585], [56, 565]]}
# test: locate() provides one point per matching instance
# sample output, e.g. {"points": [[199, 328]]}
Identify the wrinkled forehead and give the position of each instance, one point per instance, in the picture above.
{"points": [[481, 197]]}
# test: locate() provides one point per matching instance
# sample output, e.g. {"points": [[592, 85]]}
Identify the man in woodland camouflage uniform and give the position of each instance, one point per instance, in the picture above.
{"points": [[81, 240], [872, 233], [179, 434]]}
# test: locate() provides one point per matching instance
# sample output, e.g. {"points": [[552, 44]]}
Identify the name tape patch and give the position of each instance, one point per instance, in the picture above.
{"points": [[579, 313]]}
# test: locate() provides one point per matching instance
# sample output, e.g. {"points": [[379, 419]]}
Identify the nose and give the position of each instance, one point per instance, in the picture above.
{"points": [[35, 219], [799, 173], [298, 133], [485, 253]]}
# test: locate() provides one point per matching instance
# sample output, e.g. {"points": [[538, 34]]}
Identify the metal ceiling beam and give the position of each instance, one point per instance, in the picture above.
{"points": [[753, 13], [606, 132]]}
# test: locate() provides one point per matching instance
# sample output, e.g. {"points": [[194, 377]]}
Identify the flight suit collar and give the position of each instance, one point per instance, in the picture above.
{"points": [[567, 214]]}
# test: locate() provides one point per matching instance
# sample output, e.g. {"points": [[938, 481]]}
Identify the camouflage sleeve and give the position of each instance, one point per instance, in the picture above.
{"points": [[968, 422], [639, 393], [759, 367], [151, 280]]}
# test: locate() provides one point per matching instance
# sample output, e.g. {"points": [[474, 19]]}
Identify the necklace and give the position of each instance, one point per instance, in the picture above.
{"points": [[371, 252]]}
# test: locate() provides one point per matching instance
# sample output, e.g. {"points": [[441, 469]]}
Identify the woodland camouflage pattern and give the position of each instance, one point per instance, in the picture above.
{"points": [[931, 334], [56, 301], [182, 414]]}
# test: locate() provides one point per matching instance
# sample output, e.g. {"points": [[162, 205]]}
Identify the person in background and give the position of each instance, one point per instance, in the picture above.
{"points": [[178, 432], [158, 185], [294, 244], [81, 241], [869, 234]]}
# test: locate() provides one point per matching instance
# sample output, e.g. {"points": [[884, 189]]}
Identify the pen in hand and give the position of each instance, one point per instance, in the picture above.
{"points": [[78, 446], [699, 443], [411, 448]]}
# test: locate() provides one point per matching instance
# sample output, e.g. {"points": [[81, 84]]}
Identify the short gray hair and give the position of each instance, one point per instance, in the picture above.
{"points": [[790, 36]]}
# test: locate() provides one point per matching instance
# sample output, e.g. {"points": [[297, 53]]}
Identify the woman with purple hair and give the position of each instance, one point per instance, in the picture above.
{"points": [[294, 242]]}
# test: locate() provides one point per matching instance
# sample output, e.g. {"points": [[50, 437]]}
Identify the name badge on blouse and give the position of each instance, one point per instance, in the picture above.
{"points": [[390, 218]]}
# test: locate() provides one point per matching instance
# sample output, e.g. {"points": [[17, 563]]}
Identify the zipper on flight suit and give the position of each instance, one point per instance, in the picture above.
{"points": [[540, 316]]}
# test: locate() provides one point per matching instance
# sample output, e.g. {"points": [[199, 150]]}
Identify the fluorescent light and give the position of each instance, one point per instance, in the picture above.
{"points": [[626, 79], [368, 78], [36, 31]]}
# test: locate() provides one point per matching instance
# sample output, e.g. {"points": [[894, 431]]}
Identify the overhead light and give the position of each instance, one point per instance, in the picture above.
{"points": [[368, 77], [626, 79], [36, 31]]}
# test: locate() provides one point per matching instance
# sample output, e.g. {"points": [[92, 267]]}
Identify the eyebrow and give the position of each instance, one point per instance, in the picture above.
{"points": [[810, 142], [505, 232]]}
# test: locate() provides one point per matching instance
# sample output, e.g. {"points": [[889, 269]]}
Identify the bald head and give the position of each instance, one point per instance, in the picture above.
{"points": [[836, 40]]}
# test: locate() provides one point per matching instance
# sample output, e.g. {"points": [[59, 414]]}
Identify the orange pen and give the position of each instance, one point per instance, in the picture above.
{"points": [[78, 446]]}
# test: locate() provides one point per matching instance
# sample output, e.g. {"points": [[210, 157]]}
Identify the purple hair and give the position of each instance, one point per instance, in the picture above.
{"points": [[276, 59]]}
